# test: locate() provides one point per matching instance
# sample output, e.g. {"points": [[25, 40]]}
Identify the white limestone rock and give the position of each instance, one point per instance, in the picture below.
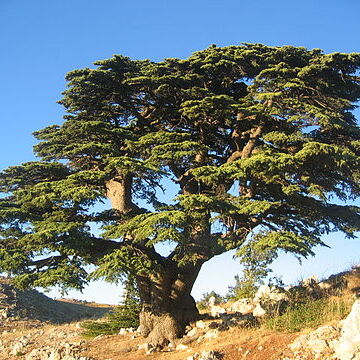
{"points": [[205, 355], [348, 345], [181, 347], [192, 332], [243, 306], [259, 311], [201, 324], [216, 310]]}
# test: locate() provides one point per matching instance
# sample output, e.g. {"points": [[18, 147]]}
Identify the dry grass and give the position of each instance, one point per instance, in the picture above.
{"points": [[353, 281], [311, 314]]}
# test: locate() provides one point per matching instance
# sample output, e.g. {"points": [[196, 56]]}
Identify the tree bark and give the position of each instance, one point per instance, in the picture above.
{"points": [[167, 306]]}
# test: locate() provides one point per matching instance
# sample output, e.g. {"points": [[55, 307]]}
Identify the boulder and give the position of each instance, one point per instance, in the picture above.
{"points": [[270, 301], [212, 301], [262, 292], [267, 293], [18, 348], [243, 306], [192, 332], [20, 345], [209, 335], [124, 331], [181, 347], [216, 310], [201, 324], [147, 347], [258, 311]]}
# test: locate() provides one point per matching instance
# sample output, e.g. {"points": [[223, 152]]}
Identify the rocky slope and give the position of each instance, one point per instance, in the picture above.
{"points": [[42, 343]]}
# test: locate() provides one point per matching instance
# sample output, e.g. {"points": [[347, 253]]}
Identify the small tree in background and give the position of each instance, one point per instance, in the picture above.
{"points": [[126, 315], [255, 260]]}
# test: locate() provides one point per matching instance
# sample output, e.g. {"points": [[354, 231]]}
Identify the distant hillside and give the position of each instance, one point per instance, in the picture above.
{"points": [[31, 304]]}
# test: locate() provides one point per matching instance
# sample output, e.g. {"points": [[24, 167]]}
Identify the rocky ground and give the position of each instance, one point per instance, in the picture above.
{"points": [[34, 327], [64, 342], [41, 342], [28, 330]]}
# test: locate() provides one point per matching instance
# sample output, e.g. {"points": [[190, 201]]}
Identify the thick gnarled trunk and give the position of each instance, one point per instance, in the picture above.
{"points": [[168, 306]]}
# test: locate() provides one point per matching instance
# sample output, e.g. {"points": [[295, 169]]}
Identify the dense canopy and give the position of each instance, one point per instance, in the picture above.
{"points": [[259, 141]]}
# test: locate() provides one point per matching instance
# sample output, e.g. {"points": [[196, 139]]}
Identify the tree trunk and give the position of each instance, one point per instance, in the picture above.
{"points": [[168, 306]]}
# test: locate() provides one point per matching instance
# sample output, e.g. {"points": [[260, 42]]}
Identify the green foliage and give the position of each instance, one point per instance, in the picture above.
{"points": [[245, 287], [93, 329], [125, 315], [310, 314], [255, 138]]}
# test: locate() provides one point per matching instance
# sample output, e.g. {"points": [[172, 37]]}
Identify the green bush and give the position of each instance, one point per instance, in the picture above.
{"points": [[98, 328]]}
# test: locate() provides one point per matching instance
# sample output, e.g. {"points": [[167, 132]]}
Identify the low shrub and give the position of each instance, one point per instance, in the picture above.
{"points": [[120, 317]]}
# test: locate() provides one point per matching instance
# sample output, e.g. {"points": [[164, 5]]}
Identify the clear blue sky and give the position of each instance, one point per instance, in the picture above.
{"points": [[42, 40]]}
